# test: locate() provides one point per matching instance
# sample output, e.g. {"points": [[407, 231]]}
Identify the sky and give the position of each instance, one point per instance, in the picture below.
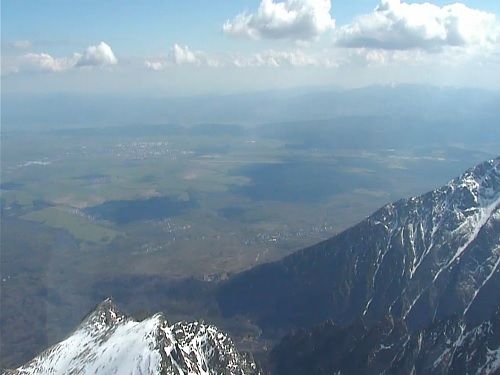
{"points": [[193, 47]]}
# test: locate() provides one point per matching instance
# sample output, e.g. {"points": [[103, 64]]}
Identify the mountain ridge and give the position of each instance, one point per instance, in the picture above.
{"points": [[429, 263], [449, 346], [395, 236], [108, 341]]}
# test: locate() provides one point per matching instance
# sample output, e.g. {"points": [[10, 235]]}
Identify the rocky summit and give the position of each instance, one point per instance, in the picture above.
{"points": [[109, 342]]}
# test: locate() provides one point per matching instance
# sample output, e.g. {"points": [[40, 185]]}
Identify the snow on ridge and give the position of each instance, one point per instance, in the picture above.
{"points": [[492, 362], [450, 217], [125, 347], [483, 181], [109, 342]]}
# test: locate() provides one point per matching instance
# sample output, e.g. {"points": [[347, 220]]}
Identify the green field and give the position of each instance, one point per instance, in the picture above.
{"points": [[255, 194], [80, 227]]}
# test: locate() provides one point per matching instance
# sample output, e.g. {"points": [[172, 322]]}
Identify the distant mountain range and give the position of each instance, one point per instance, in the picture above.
{"points": [[109, 342], [473, 107], [411, 289]]}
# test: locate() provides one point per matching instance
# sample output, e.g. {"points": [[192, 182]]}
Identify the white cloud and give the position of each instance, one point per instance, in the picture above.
{"points": [[155, 64], [43, 62], [289, 19], [99, 55], [182, 55], [379, 57], [276, 59], [398, 25]]}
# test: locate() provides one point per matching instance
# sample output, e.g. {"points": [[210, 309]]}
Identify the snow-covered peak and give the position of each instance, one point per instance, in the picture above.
{"points": [[105, 315], [482, 182], [109, 342]]}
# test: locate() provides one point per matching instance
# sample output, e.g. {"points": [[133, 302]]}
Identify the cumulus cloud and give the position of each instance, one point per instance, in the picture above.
{"points": [[182, 55], [398, 25], [275, 59], [43, 62], [378, 57], [155, 64], [269, 58], [99, 55], [289, 19]]}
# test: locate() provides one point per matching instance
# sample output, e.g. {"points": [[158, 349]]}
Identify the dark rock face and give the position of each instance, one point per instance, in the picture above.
{"points": [[451, 346], [427, 265]]}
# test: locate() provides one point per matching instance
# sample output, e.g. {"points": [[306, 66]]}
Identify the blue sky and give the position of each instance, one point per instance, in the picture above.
{"points": [[138, 27], [46, 41]]}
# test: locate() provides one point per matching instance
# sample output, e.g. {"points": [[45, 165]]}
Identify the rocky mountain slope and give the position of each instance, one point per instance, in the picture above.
{"points": [[428, 265], [447, 347], [109, 342]]}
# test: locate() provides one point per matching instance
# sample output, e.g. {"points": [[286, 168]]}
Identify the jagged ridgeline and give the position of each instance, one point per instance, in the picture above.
{"points": [[109, 342], [414, 287]]}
